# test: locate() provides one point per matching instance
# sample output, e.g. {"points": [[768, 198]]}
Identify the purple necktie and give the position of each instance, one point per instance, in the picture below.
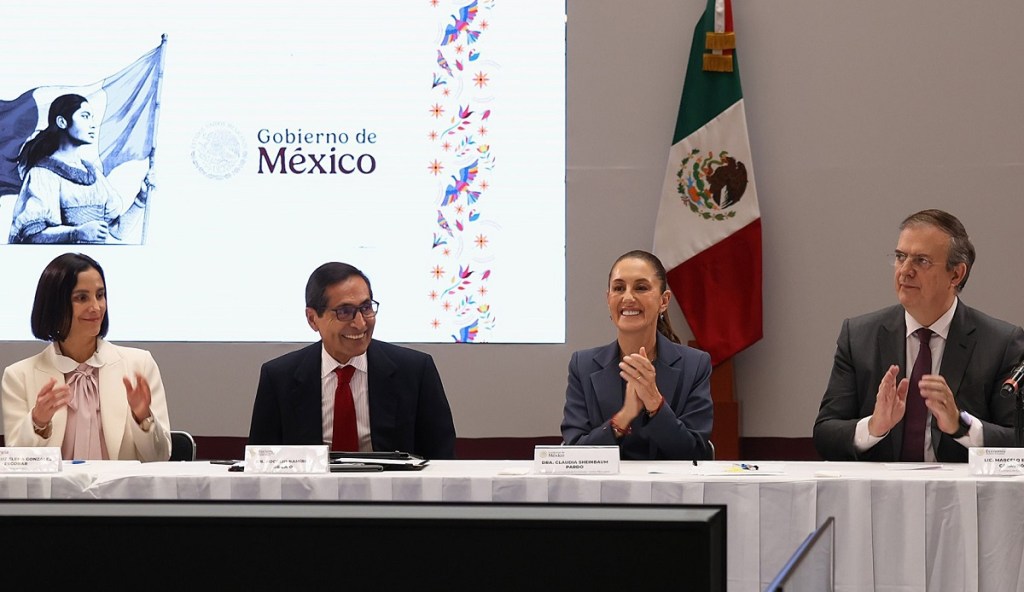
{"points": [[915, 418]]}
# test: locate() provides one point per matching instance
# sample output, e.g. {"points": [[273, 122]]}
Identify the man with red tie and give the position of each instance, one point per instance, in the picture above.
{"points": [[350, 391], [920, 381]]}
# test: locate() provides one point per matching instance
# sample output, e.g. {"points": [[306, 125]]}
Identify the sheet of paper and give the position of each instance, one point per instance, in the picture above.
{"points": [[913, 466]]}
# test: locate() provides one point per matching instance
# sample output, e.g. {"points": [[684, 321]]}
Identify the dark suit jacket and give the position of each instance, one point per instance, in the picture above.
{"points": [[408, 408], [679, 431], [980, 352]]}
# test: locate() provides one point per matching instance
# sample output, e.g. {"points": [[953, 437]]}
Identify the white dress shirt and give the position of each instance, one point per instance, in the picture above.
{"points": [[359, 386], [863, 440]]}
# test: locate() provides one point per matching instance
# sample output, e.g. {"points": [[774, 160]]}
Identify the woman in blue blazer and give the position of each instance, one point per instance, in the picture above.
{"points": [[645, 391]]}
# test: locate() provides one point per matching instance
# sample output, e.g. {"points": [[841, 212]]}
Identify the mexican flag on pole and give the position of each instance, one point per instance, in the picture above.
{"points": [[708, 232]]}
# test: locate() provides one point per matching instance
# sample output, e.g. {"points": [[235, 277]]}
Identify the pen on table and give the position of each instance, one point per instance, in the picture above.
{"points": [[747, 467], [75, 462]]}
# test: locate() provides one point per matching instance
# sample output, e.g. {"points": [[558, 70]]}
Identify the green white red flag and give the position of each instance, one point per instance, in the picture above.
{"points": [[708, 232]]}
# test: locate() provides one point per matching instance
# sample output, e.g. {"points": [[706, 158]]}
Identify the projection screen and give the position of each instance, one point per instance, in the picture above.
{"points": [[421, 141]]}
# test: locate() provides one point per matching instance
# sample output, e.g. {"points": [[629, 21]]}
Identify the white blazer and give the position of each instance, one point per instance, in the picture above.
{"points": [[124, 439]]}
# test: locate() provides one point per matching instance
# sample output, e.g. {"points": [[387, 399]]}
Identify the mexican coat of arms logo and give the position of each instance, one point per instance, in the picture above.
{"points": [[711, 185]]}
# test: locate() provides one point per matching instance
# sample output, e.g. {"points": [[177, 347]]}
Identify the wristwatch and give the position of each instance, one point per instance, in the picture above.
{"points": [[147, 423], [41, 430], [965, 424]]}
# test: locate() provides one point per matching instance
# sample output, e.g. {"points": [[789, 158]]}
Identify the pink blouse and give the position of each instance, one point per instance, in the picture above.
{"points": [[83, 438]]}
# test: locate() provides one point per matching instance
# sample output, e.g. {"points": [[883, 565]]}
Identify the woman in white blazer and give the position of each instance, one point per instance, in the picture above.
{"points": [[92, 399]]}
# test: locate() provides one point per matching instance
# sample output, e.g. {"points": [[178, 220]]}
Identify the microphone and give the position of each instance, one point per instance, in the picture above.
{"points": [[1013, 382]]}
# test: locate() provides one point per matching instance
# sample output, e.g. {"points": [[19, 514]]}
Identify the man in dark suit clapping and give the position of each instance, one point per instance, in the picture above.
{"points": [[920, 381]]}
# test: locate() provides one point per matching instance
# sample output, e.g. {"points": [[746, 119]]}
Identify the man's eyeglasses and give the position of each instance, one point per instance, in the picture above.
{"points": [[919, 262], [348, 312]]}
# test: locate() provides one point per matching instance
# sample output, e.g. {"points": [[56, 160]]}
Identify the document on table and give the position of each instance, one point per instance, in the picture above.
{"points": [[713, 468], [913, 466]]}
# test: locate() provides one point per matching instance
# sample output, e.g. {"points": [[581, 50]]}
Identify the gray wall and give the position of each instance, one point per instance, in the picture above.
{"points": [[859, 113]]}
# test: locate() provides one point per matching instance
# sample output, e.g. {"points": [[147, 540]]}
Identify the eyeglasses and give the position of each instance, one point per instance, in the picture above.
{"points": [[348, 312], [918, 262]]}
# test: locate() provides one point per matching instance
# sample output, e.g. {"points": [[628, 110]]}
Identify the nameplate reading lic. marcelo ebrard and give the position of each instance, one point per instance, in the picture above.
{"points": [[286, 459], [576, 460], [995, 461], [30, 459]]}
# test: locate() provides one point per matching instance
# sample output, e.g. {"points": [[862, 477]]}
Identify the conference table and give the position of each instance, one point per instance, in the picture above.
{"points": [[896, 528]]}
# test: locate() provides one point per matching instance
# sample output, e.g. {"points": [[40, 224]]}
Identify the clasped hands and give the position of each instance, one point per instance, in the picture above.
{"points": [[642, 392], [891, 402]]}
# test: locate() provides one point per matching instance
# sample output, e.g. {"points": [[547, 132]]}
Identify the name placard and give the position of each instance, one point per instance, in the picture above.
{"points": [[995, 461], [576, 460], [286, 459], [28, 459]]}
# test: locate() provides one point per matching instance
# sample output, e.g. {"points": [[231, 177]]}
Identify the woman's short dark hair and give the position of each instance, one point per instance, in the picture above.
{"points": [[51, 311], [47, 141], [326, 276], [664, 326]]}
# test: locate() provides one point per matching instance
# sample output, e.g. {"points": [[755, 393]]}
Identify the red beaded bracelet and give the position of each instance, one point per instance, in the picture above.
{"points": [[619, 432]]}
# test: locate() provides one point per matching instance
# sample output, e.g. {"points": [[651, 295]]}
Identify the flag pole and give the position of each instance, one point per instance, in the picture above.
{"points": [[156, 125]]}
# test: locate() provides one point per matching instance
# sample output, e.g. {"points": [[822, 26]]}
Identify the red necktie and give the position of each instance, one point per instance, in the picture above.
{"points": [[915, 417], [345, 436]]}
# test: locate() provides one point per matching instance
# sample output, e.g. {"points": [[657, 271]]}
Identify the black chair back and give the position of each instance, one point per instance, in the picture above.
{"points": [[183, 446]]}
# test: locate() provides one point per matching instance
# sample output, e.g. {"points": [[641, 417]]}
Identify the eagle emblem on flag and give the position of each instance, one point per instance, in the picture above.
{"points": [[710, 185]]}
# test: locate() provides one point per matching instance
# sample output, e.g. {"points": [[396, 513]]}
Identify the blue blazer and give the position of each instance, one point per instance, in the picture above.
{"points": [[679, 431], [980, 352], [408, 408]]}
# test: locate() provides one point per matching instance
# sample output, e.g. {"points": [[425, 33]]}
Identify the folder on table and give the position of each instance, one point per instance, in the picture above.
{"points": [[388, 461]]}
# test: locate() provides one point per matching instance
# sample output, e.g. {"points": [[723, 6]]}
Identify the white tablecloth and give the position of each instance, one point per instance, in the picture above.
{"points": [[896, 530]]}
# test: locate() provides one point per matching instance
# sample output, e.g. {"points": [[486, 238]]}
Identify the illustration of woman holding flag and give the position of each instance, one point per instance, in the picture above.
{"points": [[65, 196]]}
